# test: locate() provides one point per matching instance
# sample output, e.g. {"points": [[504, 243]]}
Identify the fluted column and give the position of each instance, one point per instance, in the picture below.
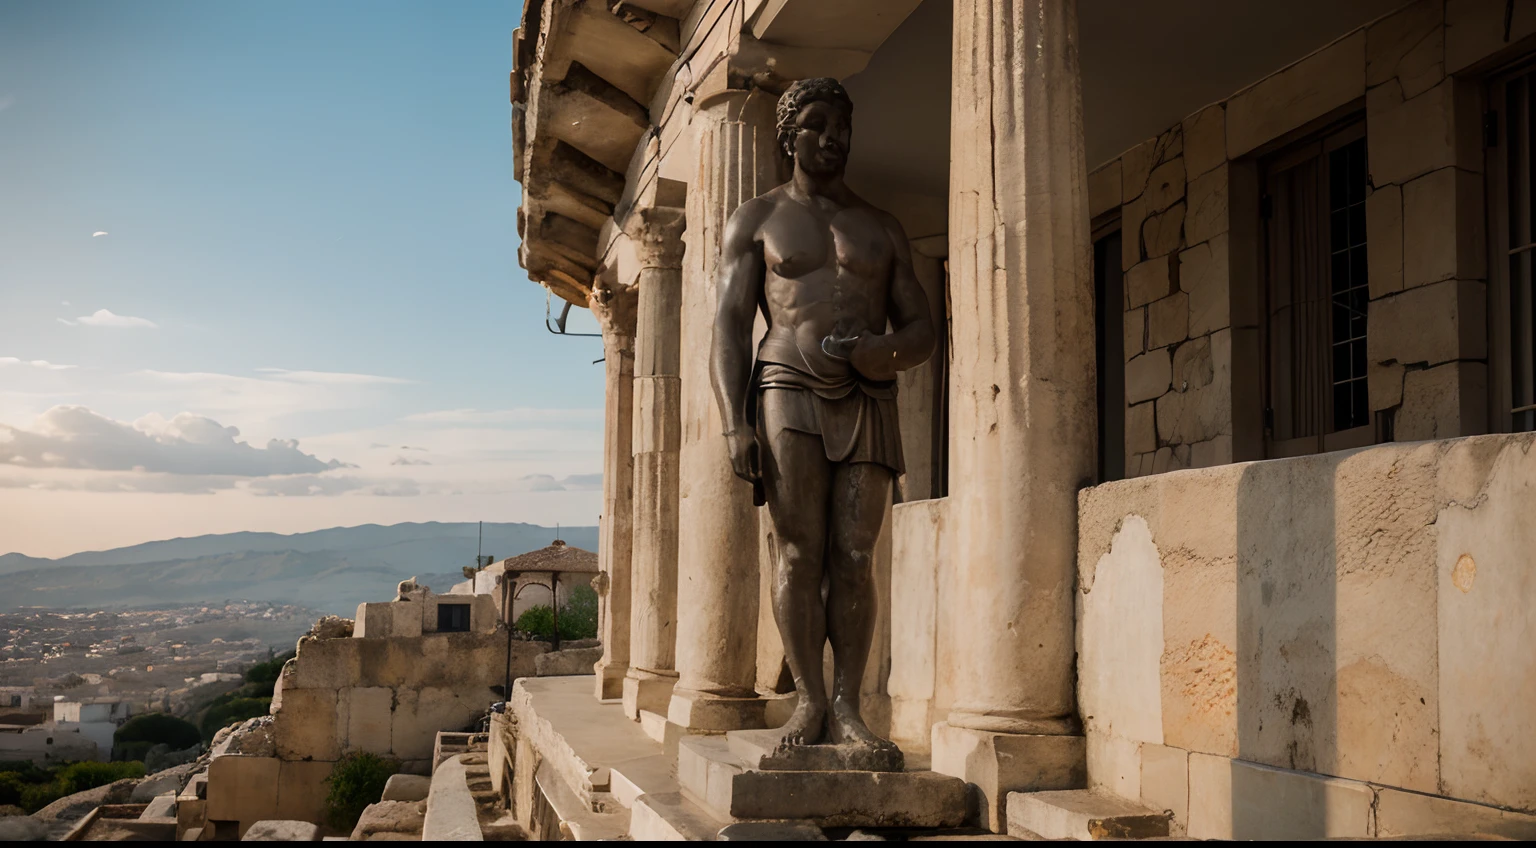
{"points": [[657, 234], [614, 308], [717, 552], [1022, 394]]}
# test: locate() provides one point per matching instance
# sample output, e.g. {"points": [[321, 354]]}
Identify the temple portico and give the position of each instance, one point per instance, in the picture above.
{"points": [[1225, 351]]}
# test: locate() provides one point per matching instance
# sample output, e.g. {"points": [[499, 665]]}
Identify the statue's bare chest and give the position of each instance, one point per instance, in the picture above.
{"points": [[799, 242]]}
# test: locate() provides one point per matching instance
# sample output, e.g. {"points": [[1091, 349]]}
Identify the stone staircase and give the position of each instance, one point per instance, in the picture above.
{"points": [[468, 751]]}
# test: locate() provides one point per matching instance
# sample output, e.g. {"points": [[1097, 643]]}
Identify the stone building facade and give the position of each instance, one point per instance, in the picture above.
{"points": [[1214, 492]]}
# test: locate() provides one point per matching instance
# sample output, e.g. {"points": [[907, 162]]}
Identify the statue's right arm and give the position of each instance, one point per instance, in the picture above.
{"points": [[740, 282]]}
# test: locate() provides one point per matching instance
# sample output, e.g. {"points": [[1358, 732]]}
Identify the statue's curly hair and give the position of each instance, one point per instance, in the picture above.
{"points": [[797, 97]]}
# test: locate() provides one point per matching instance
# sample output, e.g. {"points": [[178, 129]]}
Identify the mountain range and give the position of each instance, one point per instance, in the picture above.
{"points": [[327, 570]]}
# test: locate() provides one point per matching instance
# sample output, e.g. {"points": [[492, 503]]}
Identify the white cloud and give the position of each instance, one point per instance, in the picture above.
{"points": [[519, 415], [77, 437], [329, 378], [108, 318], [316, 485], [548, 483], [35, 363], [405, 460], [98, 234]]}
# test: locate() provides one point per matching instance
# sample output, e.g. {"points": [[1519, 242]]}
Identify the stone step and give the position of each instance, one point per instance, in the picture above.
{"points": [[671, 817], [661, 731], [1081, 814], [576, 813], [628, 780], [723, 785]]}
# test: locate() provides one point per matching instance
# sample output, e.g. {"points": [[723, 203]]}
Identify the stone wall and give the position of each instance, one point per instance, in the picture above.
{"points": [[1188, 209], [1244, 631], [389, 696], [418, 615]]}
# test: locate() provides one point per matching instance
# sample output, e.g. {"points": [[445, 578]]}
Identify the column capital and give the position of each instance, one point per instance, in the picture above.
{"points": [[657, 234], [615, 308]]}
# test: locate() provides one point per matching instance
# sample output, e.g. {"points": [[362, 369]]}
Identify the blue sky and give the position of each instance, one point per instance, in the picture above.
{"points": [[310, 225]]}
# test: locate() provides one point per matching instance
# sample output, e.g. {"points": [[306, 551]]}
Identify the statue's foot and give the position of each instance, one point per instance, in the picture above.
{"points": [[848, 727], [805, 725]]}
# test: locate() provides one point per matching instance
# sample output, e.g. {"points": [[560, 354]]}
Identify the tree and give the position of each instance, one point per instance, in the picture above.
{"points": [[156, 729]]}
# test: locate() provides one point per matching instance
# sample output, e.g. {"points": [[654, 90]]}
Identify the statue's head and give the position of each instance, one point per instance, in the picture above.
{"points": [[815, 123]]}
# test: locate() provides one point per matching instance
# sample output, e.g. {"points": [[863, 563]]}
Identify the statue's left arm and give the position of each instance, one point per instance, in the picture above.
{"points": [[911, 339]]}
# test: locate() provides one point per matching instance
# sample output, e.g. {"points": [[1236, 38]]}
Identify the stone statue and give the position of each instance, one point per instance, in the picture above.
{"points": [[812, 422]]}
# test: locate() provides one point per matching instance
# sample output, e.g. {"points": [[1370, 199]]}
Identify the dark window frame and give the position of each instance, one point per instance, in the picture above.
{"points": [[1510, 130], [1300, 405], [452, 618], [1109, 345]]}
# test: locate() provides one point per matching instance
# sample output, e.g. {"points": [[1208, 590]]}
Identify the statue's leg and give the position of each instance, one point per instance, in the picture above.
{"points": [[860, 493], [796, 480]]}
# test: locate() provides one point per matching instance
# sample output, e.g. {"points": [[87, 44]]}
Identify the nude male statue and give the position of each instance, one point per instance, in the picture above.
{"points": [[813, 419]]}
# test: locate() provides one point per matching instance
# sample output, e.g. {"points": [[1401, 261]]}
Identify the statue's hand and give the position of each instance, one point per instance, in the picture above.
{"points": [[742, 444], [874, 357]]}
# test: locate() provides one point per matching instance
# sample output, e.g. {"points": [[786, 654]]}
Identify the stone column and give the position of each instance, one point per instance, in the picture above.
{"points": [[717, 552], [1022, 397], [614, 308], [657, 234]]}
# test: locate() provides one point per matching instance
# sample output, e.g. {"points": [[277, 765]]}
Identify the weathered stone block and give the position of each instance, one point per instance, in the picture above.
{"points": [[1148, 281], [1170, 458], [1198, 414], [701, 711], [1168, 320], [242, 789], [1384, 384], [647, 692], [1307, 90], [1136, 167], [1204, 275], [282, 831], [1165, 782], [1207, 206], [1161, 234], [1430, 324], [1384, 240], [1409, 46], [1192, 365], [1000, 763], [1140, 429], [1443, 232], [1409, 137], [1212, 452], [1443, 402], [302, 789], [1232, 799], [1081, 814], [1121, 638], [1148, 376], [1165, 185], [1484, 584], [571, 661], [305, 727], [1132, 214], [1134, 326], [1104, 189], [1400, 814], [323, 664], [368, 711], [1205, 140]]}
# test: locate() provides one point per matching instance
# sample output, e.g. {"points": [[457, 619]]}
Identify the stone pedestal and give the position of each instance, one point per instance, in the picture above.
{"points": [[716, 778], [758, 749], [657, 234], [1022, 390], [718, 553], [614, 308]]}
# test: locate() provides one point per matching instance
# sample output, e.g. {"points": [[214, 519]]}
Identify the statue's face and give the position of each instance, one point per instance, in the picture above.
{"points": [[821, 138]]}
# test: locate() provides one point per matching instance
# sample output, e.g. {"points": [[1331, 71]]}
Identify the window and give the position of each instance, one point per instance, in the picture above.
{"points": [[1512, 233], [1109, 335], [453, 618], [1316, 296]]}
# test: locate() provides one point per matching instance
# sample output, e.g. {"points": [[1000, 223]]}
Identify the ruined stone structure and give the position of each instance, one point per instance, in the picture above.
{"points": [[1215, 512]]}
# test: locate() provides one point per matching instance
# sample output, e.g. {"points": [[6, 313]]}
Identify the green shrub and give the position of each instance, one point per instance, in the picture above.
{"points": [[11, 786], [157, 728], [78, 777], [261, 678], [357, 781], [226, 710], [578, 617]]}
